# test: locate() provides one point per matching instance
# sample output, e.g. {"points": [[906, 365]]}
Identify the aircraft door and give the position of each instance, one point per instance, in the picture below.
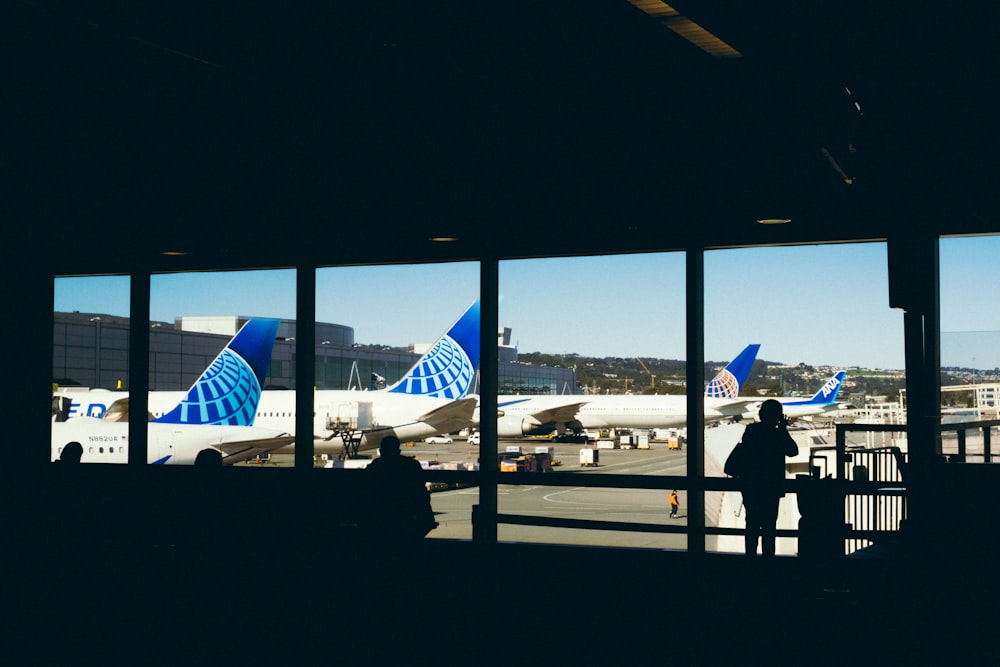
{"points": [[349, 416], [366, 415], [165, 451]]}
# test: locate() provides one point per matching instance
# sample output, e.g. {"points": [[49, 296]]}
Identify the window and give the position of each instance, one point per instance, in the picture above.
{"points": [[89, 363], [608, 334], [815, 311], [591, 383], [970, 337], [407, 342], [229, 338]]}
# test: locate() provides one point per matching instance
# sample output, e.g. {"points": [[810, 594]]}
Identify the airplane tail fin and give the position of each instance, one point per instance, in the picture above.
{"points": [[827, 394], [727, 383], [448, 369], [228, 392]]}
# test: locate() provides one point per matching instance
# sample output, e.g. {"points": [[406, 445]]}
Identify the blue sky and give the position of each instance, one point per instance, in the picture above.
{"points": [[970, 302], [821, 305]]}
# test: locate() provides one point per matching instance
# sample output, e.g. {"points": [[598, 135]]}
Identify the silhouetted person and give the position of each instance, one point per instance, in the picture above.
{"points": [[401, 504], [208, 458], [760, 464], [71, 453]]}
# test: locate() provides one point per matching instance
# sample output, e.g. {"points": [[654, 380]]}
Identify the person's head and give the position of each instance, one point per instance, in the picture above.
{"points": [[71, 453], [770, 412], [389, 446]]}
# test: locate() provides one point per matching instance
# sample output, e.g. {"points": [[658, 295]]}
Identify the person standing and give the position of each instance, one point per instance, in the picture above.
{"points": [[759, 462], [674, 504]]}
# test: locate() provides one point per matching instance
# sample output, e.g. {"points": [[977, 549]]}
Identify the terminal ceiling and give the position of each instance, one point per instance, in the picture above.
{"points": [[354, 131]]}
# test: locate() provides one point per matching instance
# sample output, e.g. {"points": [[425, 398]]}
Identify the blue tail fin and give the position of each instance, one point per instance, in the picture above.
{"points": [[729, 380], [228, 392], [827, 393], [448, 369]]}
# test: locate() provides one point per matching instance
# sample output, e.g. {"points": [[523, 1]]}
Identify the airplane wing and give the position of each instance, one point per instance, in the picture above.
{"points": [[558, 413], [237, 451], [451, 416], [735, 407]]}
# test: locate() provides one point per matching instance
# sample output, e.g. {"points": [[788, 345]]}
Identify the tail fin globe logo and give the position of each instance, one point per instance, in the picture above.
{"points": [[727, 383], [448, 370], [229, 390], [723, 385], [445, 372]]}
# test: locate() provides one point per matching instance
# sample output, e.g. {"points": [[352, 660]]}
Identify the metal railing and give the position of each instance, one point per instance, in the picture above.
{"points": [[875, 489], [968, 447], [867, 478]]}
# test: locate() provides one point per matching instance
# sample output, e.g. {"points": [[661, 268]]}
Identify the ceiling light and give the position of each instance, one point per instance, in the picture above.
{"points": [[774, 221], [686, 28], [443, 239]]}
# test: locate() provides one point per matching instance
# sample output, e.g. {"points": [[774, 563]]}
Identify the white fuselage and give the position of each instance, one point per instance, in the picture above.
{"points": [[639, 412], [793, 411], [521, 413], [171, 444], [336, 412]]}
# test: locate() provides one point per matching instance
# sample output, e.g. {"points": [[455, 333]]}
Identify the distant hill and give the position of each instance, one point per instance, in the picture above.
{"points": [[668, 376]]}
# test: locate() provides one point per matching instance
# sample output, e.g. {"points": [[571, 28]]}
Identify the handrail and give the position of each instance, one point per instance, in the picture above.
{"points": [[873, 491]]}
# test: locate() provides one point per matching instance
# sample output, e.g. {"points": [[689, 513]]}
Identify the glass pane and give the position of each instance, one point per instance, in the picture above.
{"points": [[89, 362], [726, 510], [451, 501], [592, 380], [970, 336], [831, 352], [397, 353], [219, 342], [970, 330]]}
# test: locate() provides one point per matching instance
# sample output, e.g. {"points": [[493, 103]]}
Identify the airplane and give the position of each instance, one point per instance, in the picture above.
{"points": [[431, 398], [520, 416], [824, 400], [230, 388]]}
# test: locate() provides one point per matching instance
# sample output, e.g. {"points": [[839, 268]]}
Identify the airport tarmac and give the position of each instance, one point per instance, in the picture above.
{"points": [[453, 508], [647, 506], [566, 457], [641, 507]]}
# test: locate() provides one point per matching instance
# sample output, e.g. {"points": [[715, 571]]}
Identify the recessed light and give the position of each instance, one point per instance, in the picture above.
{"points": [[174, 253], [443, 239], [774, 221]]}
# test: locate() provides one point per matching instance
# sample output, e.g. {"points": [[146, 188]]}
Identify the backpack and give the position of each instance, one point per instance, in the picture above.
{"points": [[736, 462]]}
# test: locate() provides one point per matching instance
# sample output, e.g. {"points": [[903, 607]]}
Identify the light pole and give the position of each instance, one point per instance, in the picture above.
{"points": [[97, 352]]}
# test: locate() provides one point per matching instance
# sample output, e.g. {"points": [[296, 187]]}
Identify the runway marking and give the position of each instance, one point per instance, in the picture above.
{"points": [[632, 463], [549, 497], [681, 467], [661, 470]]}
